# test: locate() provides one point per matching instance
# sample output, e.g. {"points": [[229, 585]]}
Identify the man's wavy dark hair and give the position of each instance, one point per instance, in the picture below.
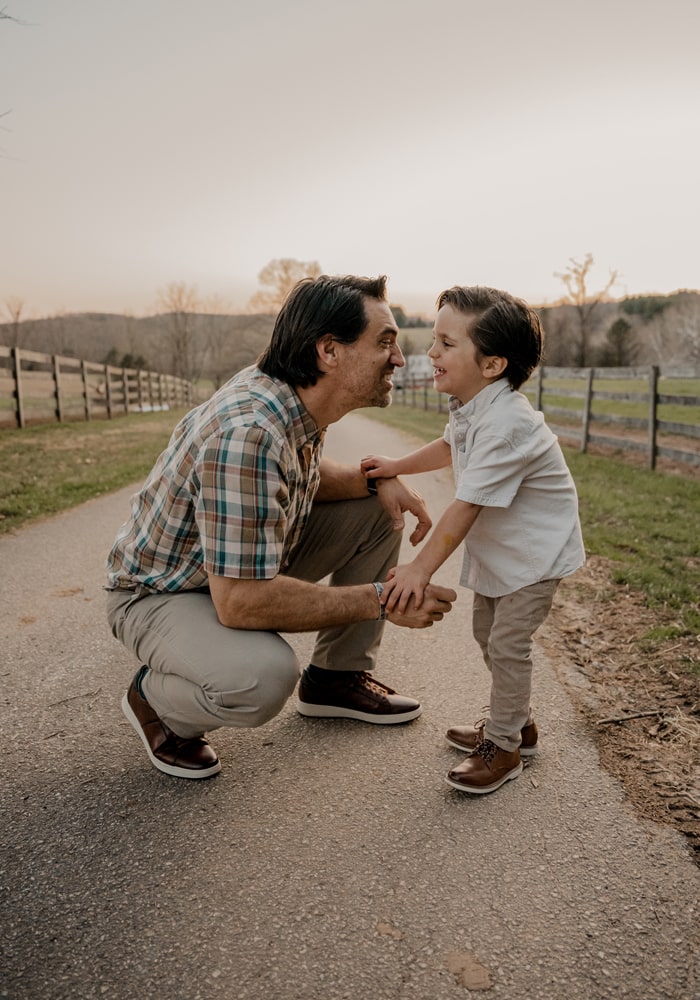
{"points": [[313, 308], [502, 326]]}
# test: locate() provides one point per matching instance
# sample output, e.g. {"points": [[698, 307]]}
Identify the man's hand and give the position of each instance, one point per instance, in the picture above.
{"points": [[437, 602], [397, 498]]}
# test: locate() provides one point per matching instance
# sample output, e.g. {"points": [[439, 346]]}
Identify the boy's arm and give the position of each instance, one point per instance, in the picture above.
{"points": [[412, 578], [430, 457]]}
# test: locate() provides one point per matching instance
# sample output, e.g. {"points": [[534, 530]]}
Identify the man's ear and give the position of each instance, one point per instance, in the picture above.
{"points": [[326, 352], [493, 366]]}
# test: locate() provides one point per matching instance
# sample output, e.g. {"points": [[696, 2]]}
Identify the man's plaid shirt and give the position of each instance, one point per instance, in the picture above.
{"points": [[230, 495]]}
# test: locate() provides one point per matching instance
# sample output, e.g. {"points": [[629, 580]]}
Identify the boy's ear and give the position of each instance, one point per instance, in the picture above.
{"points": [[493, 367], [326, 352]]}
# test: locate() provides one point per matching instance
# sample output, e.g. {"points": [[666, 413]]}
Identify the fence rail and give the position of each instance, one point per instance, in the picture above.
{"points": [[44, 388], [650, 410]]}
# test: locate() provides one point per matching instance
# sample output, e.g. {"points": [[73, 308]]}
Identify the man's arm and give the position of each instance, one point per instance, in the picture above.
{"points": [[285, 604], [347, 482], [340, 482]]}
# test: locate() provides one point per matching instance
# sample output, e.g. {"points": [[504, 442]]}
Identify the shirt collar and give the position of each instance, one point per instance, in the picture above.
{"points": [[481, 402], [302, 424]]}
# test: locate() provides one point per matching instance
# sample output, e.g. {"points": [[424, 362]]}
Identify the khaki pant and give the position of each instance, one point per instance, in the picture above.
{"points": [[203, 675], [504, 627]]}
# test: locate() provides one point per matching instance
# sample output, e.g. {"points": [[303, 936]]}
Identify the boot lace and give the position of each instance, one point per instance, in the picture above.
{"points": [[364, 680], [487, 750]]}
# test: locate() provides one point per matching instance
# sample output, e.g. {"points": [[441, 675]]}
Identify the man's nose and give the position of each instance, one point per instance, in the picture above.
{"points": [[397, 358]]}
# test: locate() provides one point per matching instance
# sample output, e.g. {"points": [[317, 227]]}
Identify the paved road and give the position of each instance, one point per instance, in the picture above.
{"points": [[328, 859]]}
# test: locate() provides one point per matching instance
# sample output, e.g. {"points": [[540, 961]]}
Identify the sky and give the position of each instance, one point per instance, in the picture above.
{"points": [[440, 142]]}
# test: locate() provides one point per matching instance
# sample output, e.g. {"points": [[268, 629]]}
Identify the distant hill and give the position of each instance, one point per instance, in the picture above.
{"points": [[641, 329], [216, 345]]}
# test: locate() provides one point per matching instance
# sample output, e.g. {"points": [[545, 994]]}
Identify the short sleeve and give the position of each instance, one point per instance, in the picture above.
{"points": [[491, 473]]}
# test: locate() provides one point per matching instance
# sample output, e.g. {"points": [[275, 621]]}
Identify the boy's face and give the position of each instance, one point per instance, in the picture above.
{"points": [[457, 368]]}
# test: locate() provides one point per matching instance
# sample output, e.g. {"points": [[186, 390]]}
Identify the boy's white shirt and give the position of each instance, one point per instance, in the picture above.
{"points": [[507, 460]]}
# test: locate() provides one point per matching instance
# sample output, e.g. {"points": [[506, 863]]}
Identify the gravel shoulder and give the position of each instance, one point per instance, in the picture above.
{"points": [[642, 700]]}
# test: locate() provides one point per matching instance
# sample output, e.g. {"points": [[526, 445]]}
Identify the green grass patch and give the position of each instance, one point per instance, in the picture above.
{"points": [[52, 467], [645, 522]]}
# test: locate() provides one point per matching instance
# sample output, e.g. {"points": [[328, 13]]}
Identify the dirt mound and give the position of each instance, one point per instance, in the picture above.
{"points": [[642, 698]]}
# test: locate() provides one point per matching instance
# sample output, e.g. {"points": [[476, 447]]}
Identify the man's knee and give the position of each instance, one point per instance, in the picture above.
{"points": [[269, 688]]}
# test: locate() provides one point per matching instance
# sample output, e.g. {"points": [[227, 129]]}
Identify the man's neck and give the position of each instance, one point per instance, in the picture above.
{"points": [[323, 406]]}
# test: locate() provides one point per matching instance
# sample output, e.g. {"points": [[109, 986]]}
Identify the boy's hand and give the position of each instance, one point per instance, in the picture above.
{"points": [[437, 602], [404, 582], [379, 467]]}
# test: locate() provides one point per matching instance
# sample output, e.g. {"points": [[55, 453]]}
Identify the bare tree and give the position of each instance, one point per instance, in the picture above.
{"points": [[4, 16], [218, 335], [180, 303], [16, 330], [557, 345], [278, 278], [585, 303]]}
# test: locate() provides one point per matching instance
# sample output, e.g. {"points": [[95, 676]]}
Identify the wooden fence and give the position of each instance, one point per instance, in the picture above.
{"points": [[42, 388], [651, 410]]}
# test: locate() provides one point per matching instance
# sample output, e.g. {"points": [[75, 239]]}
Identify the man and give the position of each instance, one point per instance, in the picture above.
{"points": [[239, 519]]}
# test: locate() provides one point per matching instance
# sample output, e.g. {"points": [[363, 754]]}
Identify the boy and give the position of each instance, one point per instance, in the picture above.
{"points": [[516, 511]]}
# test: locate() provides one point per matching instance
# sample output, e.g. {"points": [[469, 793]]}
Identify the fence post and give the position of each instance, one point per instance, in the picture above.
{"points": [[86, 389], [17, 393], [653, 416], [125, 389], [538, 388], [587, 410], [56, 364], [108, 391]]}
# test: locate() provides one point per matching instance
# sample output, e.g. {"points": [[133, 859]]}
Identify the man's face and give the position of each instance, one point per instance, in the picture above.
{"points": [[368, 364]]}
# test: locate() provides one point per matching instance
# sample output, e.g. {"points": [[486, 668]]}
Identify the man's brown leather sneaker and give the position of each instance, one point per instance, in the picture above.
{"points": [[170, 753], [350, 694]]}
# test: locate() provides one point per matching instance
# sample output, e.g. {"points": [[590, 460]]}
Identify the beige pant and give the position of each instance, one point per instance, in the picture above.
{"points": [[504, 627], [204, 675]]}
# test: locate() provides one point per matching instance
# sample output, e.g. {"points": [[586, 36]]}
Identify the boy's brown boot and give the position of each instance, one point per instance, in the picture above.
{"points": [[469, 737], [486, 769]]}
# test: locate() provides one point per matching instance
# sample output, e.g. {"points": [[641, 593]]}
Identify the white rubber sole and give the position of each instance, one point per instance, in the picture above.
{"points": [[331, 712], [527, 752], [175, 772], [488, 788]]}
